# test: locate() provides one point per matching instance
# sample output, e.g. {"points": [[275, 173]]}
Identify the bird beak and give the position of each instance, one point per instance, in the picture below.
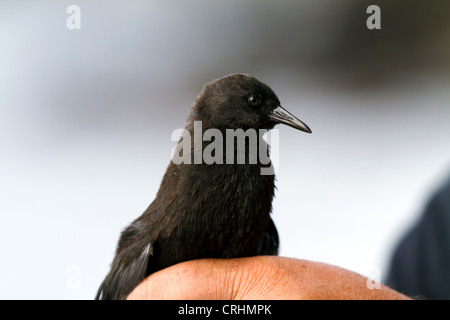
{"points": [[281, 115]]}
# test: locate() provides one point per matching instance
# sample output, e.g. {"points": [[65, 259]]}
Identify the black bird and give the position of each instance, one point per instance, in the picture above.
{"points": [[206, 210]]}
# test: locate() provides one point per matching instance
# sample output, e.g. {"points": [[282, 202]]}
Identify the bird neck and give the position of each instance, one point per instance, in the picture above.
{"points": [[202, 145]]}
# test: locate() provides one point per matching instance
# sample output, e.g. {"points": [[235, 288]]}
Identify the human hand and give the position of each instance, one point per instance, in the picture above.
{"points": [[258, 278]]}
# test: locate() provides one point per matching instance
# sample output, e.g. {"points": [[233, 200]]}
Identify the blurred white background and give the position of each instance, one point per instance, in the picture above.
{"points": [[86, 117]]}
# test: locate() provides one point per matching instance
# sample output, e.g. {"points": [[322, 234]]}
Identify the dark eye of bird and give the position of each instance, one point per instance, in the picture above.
{"points": [[254, 100]]}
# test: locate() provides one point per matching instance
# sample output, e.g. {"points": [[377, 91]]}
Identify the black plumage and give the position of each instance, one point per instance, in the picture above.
{"points": [[206, 210]]}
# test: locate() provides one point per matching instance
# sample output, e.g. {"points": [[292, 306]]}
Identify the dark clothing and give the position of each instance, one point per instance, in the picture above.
{"points": [[421, 263]]}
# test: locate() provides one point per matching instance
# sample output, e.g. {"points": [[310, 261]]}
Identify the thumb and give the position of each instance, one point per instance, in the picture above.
{"points": [[223, 279]]}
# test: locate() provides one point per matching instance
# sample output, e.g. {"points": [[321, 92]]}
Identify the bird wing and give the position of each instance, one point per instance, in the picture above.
{"points": [[127, 271], [270, 241], [135, 250]]}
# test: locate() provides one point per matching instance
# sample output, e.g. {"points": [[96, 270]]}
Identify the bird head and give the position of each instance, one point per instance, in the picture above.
{"points": [[240, 101]]}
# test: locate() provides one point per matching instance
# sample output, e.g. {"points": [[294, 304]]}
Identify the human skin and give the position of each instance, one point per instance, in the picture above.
{"points": [[258, 278]]}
